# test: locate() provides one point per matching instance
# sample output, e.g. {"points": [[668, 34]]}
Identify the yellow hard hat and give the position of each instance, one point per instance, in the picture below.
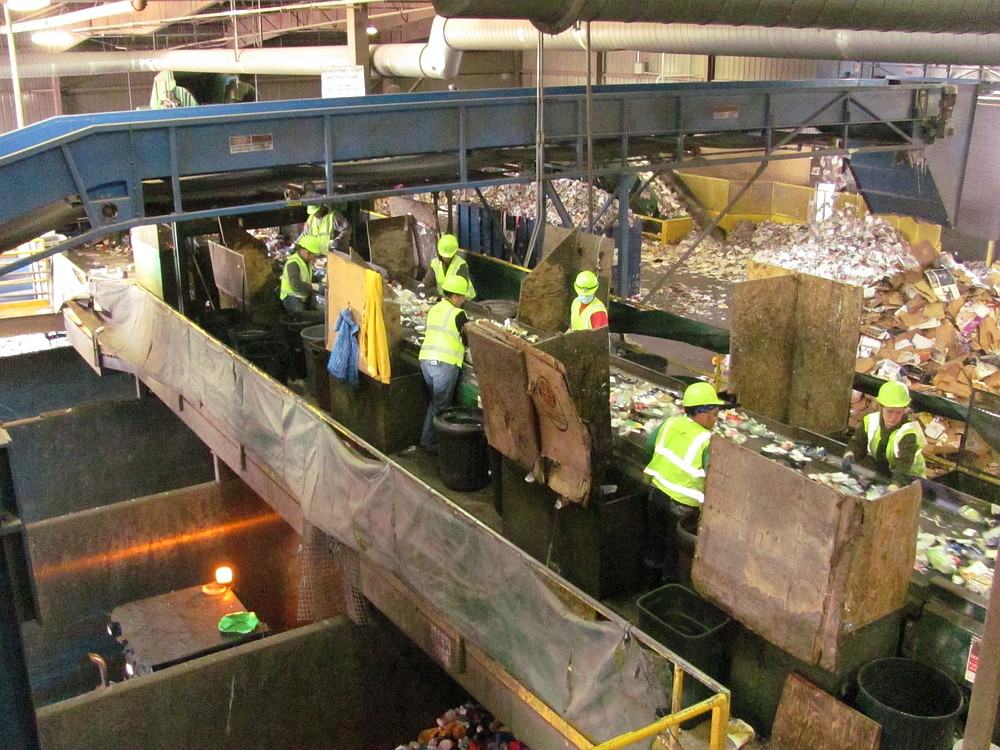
{"points": [[447, 245], [310, 242], [586, 282], [455, 285], [701, 394], [893, 394], [312, 209]]}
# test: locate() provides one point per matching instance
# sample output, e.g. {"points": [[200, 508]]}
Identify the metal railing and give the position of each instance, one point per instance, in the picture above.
{"points": [[26, 291]]}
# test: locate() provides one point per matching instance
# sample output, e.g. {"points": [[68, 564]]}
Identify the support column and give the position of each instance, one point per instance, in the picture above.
{"points": [[357, 40], [629, 246]]}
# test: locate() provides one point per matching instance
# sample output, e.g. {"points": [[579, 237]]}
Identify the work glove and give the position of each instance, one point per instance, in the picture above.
{"points": [[420, 285], [847, 461], [893, 487], [315, 286]]}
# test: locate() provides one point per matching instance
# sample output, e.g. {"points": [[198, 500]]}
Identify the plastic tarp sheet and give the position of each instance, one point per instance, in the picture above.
{"points": [[595, 673]]}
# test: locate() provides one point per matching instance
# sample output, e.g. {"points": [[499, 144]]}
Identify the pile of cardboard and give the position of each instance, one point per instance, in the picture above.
{"points": [[936, 326]]}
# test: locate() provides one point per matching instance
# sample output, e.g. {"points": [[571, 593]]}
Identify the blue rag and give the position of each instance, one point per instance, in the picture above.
{"points": [[343, 364]]}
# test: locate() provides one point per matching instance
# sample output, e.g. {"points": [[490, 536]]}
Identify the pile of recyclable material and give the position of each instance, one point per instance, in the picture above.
{"points": [[520, 200], [962, 546], [413, 309], [468, 727]]}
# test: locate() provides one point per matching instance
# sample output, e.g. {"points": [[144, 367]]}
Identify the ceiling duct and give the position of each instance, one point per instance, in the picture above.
{"points": [[554, 16], [441, 56]]}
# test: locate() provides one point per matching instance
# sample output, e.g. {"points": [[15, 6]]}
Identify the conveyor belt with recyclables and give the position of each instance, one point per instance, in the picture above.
{"points": [[101, 161]]}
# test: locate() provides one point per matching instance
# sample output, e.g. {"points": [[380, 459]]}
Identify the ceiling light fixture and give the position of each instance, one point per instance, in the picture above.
{"points": [[57, 39], [77, 16], [25, 6], [372, 31]]}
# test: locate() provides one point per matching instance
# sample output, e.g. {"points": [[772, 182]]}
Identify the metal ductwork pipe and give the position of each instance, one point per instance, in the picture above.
{"points": [[432, 60], [554, 16], [750, 41]]}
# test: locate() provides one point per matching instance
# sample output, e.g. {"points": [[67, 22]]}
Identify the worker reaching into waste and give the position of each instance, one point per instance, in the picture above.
{"points": [[448, 264], [677, 470], [331, 230], [442, 353], [586, 312], [296, 278], [893, 441]]}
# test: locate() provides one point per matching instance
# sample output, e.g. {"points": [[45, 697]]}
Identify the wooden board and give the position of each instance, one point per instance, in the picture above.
{"points": [[546, 292], [584, 355], [564, 438], [391, 245], [794, 344], [426, 225], [809, 719], [762, 341], [795, 561], [508, 413], [827, 332]]}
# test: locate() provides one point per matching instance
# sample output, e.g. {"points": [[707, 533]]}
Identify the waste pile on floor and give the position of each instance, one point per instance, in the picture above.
{"points": [[468, 727], [668, 203]]}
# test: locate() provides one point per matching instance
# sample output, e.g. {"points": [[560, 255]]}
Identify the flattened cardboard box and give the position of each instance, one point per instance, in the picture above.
{"points": [[795, 561]]}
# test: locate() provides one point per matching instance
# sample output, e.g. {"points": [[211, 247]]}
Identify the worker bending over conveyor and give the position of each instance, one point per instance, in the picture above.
{"points": [[586, 312], [893, 441], [296, 278], [448, 264], [677, 471]]}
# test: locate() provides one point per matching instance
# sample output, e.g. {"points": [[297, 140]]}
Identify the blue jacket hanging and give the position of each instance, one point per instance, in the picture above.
{"points": [[343, 364]]}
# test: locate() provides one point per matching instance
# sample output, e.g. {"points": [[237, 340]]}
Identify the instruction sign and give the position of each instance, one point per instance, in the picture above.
{"points": [[245, 144], [342, 80], [972, 664]]}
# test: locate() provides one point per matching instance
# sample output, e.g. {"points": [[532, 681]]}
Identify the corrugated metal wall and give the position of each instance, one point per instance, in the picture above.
{"points": [[39, 98], [765, 69], [565, 68], [107, 93]]}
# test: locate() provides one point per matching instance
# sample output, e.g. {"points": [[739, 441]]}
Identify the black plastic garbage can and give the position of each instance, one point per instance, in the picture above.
{"points": [[293, 325], [263, 346], [218, 323], [463, 453], [317, 357], [694, 629], [916, 704], [687, 535]]}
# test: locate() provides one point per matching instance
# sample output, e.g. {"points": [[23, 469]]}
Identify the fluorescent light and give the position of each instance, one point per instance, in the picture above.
{"points": [[58, 39], [372, 31], [23, 6], [77, 16]]}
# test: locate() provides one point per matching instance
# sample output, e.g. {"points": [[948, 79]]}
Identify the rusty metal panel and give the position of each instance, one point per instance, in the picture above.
{"points": [[229, 268], [795, 561], [565, 439], [508, 413]]}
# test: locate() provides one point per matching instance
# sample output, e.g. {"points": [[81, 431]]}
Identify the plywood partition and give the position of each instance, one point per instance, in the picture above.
{"points": [[795, 561], [391, 243], [546, 292], [793, 344]]}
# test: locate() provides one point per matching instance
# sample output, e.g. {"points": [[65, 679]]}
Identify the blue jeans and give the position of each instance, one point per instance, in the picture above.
{"points": [[441, 378]]}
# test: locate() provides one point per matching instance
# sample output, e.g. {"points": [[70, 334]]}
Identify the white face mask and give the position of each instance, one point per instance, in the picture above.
{"points": [[585, 299]]}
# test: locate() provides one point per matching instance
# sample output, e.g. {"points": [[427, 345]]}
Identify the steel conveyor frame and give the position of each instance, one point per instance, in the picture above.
{"points": [[108, 168]]}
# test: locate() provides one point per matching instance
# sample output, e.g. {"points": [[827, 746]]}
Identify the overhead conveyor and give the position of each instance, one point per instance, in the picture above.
{"points": [[95, 175]]}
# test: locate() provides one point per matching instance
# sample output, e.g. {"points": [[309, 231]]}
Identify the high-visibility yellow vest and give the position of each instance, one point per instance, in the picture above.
{"points": [[579, 313], [321, 229], [873, 428], [678, 464], [440, 274], [442, 341], [304, 273]]}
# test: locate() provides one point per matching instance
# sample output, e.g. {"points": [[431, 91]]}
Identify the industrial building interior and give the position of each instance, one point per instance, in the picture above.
{"points": [[212, 537]]}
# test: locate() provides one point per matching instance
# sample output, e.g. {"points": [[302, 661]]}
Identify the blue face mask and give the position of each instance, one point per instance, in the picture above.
{"points": [[585, 299]]}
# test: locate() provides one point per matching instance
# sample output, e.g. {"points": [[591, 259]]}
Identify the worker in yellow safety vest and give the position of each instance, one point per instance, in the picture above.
{"points": [[331, 230], [893, 441], [446, 265], [586, 312], [296, 278], [677, 471], [442, 353]]}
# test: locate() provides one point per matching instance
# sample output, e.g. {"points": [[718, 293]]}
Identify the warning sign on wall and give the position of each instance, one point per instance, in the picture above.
{"points": [[972, 663], [244, 144], [342, 80]]}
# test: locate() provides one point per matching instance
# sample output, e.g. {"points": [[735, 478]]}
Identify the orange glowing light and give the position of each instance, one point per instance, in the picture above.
{"points": [[224, 575]]}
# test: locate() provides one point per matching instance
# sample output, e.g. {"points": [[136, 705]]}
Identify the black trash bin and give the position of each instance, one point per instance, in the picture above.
{"points": [[463, 453], [692, 628], [265, 347], [916, 704], [218, 323], [317, 357], [687, 535], [294, 324]]}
